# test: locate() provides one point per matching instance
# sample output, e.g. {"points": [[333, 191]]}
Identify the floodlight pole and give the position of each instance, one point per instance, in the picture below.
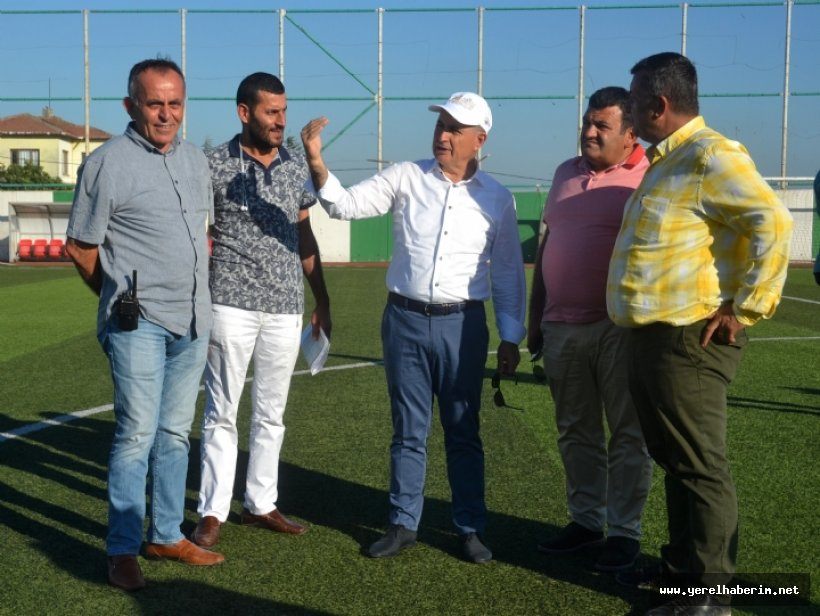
{"points": [[684, 19], [480, 71], [86, 85], [784, 137], [282, 45], [183, 13], [582, 10], [379, 89]]}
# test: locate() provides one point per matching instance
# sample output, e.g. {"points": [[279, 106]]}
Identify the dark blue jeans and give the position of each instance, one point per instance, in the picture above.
{"points": [[441, 357]]}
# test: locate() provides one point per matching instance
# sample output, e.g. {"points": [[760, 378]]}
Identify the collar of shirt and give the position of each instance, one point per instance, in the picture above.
{"points": [[628, 163], [282, 154], [133, 134], [662, 149], [478, 176]]}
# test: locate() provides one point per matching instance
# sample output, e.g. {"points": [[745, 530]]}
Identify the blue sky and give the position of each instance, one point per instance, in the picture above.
{"points": [[739, 52]]}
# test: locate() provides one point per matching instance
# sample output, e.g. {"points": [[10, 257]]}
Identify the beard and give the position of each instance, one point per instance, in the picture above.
{"points": [[264, 139]]}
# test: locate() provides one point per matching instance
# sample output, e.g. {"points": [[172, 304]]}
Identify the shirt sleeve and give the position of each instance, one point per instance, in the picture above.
{"points": [[93, 202], [371, 197], [734, 194], [509, 287], [308, 197]]}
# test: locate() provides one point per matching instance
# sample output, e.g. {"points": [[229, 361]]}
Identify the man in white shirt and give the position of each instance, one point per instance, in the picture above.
{"points": [[456, 244]]}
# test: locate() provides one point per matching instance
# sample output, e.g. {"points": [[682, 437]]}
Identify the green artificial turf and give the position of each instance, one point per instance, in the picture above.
{"points": [[334, 473]]}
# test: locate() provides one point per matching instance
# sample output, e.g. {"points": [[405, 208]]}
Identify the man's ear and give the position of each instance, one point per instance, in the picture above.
{"points": [[244, 113], [630, 137], [482, 138], [129, 105], [660, 106]]}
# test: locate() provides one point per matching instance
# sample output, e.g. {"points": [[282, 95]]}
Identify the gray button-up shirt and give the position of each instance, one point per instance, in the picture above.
{"points": [[148, 211]]}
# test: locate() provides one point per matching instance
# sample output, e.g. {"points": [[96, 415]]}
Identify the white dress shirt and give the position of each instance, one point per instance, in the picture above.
{"points": [[451, 241]]}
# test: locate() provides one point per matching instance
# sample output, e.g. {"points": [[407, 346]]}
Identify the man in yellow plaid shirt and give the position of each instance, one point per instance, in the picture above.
{"points": [[702, 253]]}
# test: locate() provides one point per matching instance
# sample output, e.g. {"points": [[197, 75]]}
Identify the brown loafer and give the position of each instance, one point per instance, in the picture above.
{"points": [[184, 551], [206, 533], [124, 572], [272, 520]]}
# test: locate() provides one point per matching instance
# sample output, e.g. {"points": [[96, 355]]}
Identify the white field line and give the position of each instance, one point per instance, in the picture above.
{"points": [[801, 299], [64, 419]]}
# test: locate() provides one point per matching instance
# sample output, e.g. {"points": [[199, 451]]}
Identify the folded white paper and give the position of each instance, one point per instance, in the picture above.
{"points": [[315, 351]]}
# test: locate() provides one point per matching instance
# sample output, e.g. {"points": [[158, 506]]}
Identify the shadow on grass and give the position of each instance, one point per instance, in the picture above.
{"points": [[74, 457], [87, 564], [360, 512], [376, 361], [775, 406]]}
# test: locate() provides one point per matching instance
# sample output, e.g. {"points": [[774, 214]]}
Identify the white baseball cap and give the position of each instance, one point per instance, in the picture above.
{"points": [[469, 109]]}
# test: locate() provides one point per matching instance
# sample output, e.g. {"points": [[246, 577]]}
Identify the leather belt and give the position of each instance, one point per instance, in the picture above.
{"points": [[431, 310]]}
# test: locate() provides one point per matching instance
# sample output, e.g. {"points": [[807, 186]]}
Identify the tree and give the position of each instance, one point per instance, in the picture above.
{"points": [[26, 174]]}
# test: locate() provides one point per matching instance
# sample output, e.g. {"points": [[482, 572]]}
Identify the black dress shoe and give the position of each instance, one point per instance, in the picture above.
{"points": [[474, 550], [572, 537], [619, 554], [392, 542]]}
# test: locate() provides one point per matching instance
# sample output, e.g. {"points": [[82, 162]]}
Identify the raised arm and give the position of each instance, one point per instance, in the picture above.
{"points": [[312, 141]]}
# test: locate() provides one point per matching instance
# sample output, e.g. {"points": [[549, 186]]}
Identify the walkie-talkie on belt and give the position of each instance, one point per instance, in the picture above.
{"points": [[128, 307]]}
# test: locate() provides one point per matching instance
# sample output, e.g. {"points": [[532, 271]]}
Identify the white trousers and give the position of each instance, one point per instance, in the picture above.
{"points": [[273, 341]]}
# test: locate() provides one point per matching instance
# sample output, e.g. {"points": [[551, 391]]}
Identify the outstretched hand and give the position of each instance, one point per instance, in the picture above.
{"points": [[311, 137]]}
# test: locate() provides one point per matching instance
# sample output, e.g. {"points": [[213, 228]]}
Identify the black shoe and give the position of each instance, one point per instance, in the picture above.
{"points": [[572, 537], [474, 550], [392, 542], [619, 554], [691, 606], [644, 578]]}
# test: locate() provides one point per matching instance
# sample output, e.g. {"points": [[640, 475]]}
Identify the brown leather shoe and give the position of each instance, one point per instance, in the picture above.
{"points": [[124, 572], [184, 551], [206, 534], [272, 520]]}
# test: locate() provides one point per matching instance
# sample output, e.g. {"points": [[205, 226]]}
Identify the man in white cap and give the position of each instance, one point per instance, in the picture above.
{"points": [[455, 245]]}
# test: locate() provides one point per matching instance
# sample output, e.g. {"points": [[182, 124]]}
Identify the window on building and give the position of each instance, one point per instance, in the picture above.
{"points": [[25, 157], [64, 161]]}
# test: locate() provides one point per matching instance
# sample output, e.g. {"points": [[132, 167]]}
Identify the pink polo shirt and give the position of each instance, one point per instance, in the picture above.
{"points": [[583, 215]]}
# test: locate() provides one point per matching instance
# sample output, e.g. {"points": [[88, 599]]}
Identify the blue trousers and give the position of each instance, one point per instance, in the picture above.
{"points": [[442, 357], [156, 378]]}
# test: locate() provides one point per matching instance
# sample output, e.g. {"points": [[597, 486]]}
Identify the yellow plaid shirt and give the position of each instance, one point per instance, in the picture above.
{"points": [[702, 228]]}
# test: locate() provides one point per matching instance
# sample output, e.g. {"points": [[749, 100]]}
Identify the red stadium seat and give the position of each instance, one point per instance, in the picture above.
{"points": [[40, 249], [55, 249], [24, 249]]}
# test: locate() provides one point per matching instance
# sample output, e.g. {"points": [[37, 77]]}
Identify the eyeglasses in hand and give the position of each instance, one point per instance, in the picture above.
{"points": [[498, 396]]}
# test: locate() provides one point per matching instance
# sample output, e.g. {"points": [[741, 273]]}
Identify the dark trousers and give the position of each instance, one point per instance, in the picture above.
{"points": [[679, 390], [441, 356]]}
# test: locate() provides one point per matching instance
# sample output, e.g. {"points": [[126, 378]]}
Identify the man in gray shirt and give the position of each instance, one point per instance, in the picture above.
{"points": [[263, 243], [141, 205]]}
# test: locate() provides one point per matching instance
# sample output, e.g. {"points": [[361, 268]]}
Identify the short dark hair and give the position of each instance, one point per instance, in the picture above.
{"points": [[613, 96], [156, 64], [671, 75], [247, 91]]}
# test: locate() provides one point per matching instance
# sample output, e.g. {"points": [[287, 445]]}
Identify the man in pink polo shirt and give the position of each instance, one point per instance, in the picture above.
{"points": [[585, 354]]}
